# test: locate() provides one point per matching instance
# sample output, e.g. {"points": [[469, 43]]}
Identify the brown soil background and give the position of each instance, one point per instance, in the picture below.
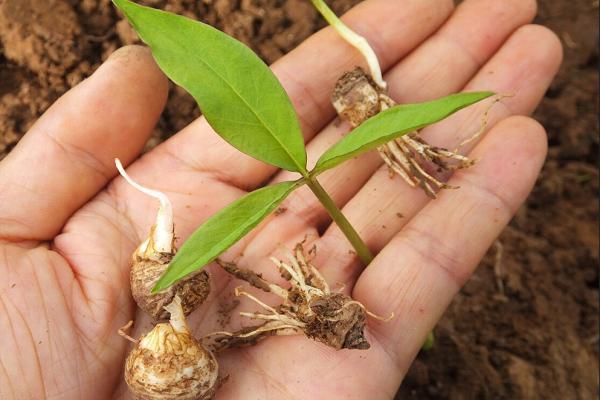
{"points": [[528, 330]]}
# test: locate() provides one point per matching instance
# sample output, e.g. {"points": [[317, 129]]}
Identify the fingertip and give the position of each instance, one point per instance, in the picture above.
{"points": [[526, 9], [523, 11], [135, 65], [134, 59], [509, 158], [524, 66], [533, 7], [485, 24], [546, 36], [385, 37], [528, 132], [118, 105], [542, 45], [516, 136]]}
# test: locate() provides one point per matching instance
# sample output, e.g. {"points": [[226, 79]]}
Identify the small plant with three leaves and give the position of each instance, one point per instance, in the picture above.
{"points": [[246, 105]]}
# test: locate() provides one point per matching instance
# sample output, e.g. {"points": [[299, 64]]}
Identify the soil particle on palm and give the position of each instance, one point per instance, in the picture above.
{"points": [[225, 310], [537, 341], [247, 275]]}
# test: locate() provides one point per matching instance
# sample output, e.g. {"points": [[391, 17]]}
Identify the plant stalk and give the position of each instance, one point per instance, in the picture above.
{"points": [[361, 248], [429, 342]]}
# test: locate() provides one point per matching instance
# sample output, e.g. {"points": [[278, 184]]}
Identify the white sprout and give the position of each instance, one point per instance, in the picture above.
{"points": [[354, 39], [162, 234], [177, 319]]}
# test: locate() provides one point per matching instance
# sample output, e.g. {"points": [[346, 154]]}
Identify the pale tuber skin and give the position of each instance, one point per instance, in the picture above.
{"points": [[152, 257], [169, 364]]}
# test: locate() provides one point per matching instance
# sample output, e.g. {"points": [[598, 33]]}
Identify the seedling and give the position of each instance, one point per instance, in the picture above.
{"points": [[358, 96]]}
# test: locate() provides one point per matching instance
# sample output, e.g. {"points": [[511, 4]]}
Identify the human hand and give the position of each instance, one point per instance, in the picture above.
{"points": [[68, 229]]}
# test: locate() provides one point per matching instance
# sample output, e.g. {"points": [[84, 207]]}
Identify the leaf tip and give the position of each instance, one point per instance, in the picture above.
{"points": [[165, 280], [127, 7], [485, 94], [119, 3], [160, 286]]}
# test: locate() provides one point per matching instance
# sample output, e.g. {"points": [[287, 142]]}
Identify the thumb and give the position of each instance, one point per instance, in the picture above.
{"points": [[67, 156]]}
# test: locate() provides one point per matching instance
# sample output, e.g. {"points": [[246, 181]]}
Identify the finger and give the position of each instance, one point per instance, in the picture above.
{"points": [[478, 28], [67, 156], [308, 74], [525, 66], [495, 25], [422, 268]]}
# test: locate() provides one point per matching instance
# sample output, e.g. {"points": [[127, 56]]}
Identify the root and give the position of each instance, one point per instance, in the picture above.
{"points": [[278, 329], [309, 307], [369, 313], [484, 120], [123, 332], [408, 156], [252, 278], [498, 273], [302, 275], [223, 340], [238, 292]]}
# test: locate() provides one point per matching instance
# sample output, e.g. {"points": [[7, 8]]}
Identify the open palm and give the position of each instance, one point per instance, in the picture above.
{"points": [[68, 228]]}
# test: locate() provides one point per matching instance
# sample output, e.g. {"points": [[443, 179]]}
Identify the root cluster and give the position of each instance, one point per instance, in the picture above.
{"points": [[308, 307], [357, 98]]}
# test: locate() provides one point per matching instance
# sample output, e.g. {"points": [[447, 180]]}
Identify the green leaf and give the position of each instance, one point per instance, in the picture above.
{"points": [[238, 94], [393, 123], [222, 230]]}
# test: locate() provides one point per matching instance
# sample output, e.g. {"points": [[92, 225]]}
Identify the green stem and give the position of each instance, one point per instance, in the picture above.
{"points": [[429, 342], [361, 248]]}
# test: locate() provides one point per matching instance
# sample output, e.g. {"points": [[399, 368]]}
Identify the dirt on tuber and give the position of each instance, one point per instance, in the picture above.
{"points": [[147, 267]]}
